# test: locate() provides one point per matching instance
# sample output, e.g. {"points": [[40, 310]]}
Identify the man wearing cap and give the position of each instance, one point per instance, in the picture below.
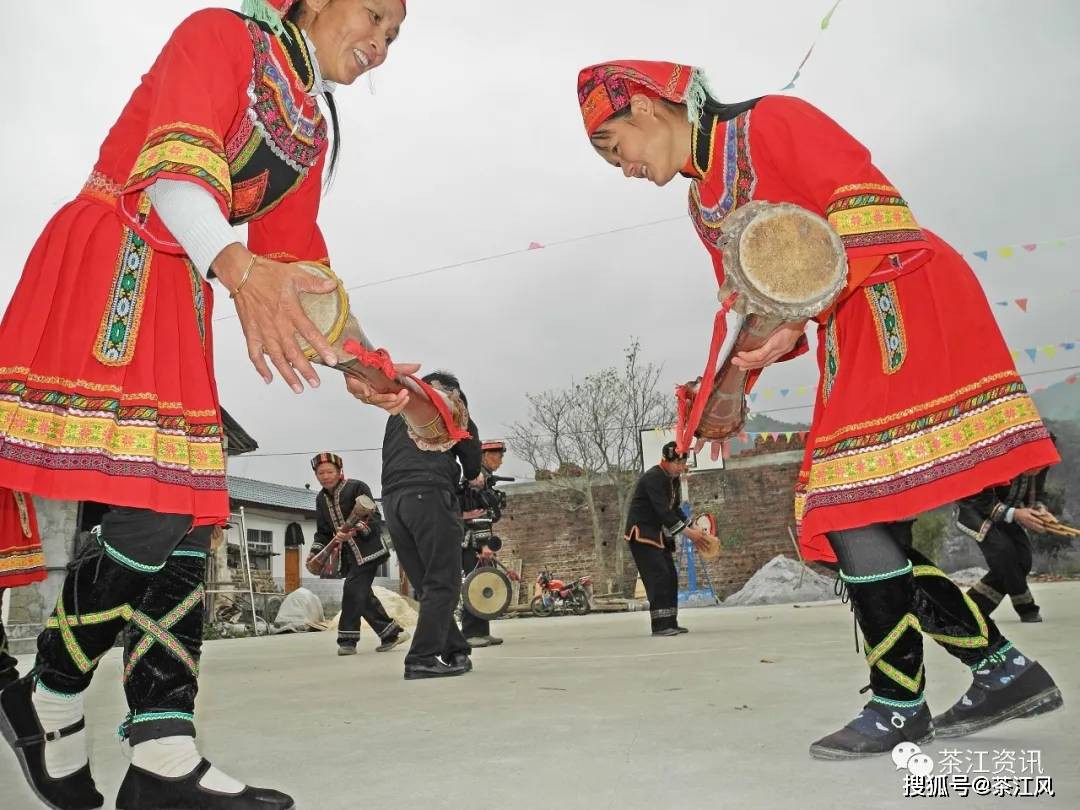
{"points": [[477, 631], [357, 555], [653, 522]]}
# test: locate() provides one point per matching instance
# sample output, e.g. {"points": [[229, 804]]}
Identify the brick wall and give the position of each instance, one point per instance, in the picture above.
{"points": [[548, 527]]}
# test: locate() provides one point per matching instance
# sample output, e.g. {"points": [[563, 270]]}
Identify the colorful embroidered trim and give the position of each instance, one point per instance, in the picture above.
{"points": [[889, 323], [159, 632], [994, 658], [127, 562], [198, 299], [24, 560], [58, 429], [60, 621], [115, 344], [739, 181], [968, 642], [874, 657], [899, 572], [187, 150], [102, 188], [186, 552], [900, 704], [832, 358], [63, 695], [149, 717], [871, 214]]}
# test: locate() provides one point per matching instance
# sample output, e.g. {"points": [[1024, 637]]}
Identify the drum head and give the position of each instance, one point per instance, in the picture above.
{"points": [[784, 259], [364, 502], [328, 311], [486, 593], [707, 524]]}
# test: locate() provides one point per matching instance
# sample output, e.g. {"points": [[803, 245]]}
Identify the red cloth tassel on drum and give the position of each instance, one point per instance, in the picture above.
{"points": [[380, 360], [692, 404]]}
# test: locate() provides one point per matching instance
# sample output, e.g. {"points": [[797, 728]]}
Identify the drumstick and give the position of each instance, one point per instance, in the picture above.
{"points": [[798, 552]]}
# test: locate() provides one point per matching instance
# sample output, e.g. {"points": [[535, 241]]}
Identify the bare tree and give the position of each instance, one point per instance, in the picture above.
{"points": [[589, 434]]}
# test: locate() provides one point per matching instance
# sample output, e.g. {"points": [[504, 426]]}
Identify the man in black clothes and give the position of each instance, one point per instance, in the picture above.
{"points": [[359, 553], [653, 521], [419, 491]]}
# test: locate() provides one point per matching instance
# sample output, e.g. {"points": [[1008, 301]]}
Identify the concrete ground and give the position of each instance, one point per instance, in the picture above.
{"points": [[584, 713]]}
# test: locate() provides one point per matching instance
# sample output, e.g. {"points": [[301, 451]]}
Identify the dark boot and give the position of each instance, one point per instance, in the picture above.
{"points": [[1006, 685], [143, 790], [393, 641], [897, 712], [22, 731], [1025, 607]]}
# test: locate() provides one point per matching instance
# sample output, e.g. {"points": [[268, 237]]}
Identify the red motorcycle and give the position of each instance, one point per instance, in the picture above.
{"points": [[557, 595]]}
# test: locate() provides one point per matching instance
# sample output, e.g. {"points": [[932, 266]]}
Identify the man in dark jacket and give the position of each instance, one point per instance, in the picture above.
{"points": [[653, 521], [419, 491], [359, 552]]}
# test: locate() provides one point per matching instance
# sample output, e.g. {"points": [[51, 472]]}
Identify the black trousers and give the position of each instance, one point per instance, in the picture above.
{"points": [[426, 527], [358, 601], [472, 626], [143, 576], [897, 595], [7, 661], [1007, 550], [661, 581]]}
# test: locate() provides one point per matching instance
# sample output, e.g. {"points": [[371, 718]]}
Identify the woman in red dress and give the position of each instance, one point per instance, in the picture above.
{"points": [[107, 388], [919, 402]]}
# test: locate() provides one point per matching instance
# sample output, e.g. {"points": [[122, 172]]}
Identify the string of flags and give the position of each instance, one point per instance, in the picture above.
{"points": [[824, 25], [1010, 251]]}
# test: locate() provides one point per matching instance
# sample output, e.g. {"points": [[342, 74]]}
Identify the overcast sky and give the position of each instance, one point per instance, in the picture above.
{"points": [[472, 146]]}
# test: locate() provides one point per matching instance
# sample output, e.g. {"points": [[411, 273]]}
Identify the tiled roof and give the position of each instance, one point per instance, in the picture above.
{"points": [[265, 493]]}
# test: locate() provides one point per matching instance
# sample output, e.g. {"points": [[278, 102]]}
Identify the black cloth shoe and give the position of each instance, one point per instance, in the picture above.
{"points": [[1029, 618], [682, 630], [346, 649], [986, 704], [390, 643], [434, 669], [20, 727], [143, 790], [877, 730], [460, 659], [667, 631], [484, 641]]}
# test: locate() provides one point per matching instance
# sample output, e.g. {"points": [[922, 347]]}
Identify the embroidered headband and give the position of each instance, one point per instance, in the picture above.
{"points": [[493, 447], [606, 89], [326, 458]]}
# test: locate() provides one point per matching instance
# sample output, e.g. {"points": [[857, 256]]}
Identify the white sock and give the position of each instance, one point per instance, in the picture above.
{"points": [[55, 711], [178, 756]]}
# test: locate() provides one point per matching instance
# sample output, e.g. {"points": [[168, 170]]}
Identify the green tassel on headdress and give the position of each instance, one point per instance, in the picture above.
{"points": [[261, 11], [697, 93]]}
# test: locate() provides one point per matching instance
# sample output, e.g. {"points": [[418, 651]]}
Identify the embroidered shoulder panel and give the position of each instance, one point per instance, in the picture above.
{"points": [[731, 184], [282, 133]]}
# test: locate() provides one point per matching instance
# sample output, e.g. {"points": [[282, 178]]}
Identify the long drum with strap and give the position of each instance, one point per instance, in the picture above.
{"points": [[485, 593], [781, 263], [437, 418]]}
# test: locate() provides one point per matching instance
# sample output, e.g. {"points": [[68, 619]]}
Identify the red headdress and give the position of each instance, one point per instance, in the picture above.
{"points": [[605, 89]]}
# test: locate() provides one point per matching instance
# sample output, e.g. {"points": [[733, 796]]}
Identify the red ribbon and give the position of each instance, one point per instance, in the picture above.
{"points": [[380, 360], [691, 405]]}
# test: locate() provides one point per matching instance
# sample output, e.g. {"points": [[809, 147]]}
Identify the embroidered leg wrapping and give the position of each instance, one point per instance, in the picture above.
{"points": [[950, 616], [162, 645], [93, 606], [894, 651]]}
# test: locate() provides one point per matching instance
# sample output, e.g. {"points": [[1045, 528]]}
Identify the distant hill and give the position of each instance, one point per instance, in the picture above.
{"points": [[1059, 402], [760, 423]]}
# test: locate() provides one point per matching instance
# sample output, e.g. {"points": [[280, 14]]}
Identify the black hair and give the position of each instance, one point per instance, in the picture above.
{"points": [[447, 380], [711, 107], [294, 17]]}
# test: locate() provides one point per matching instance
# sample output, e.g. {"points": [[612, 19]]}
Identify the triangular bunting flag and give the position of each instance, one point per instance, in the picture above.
{"points": [[801, 390], [1031, 353], [744, 436], [983, 254], [1002, 303], [784, 392], [1068, 346], [1029, 248], [769, 392], [1071, 380], [753, 396], [1022, 303], [1015, 354], [788, 435], [1049, 351], [535, 246], [1005, 252]]}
